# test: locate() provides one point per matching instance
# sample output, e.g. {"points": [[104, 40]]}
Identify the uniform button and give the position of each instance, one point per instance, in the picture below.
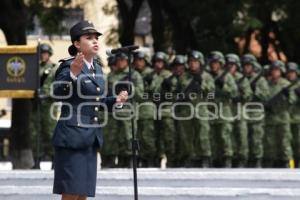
{"points": [[97, 99], [78, 124], [65, 89], [98, 89], [96, 108], [95, 119]]}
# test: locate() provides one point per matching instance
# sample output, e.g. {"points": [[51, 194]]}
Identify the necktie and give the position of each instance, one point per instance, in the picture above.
{"points": [[92, 71]]}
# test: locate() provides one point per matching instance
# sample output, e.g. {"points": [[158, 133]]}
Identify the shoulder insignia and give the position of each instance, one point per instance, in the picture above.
{"points": [[66, 59]]}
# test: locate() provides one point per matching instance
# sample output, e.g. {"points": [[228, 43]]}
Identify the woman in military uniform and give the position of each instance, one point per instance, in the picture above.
{"points": [[80, 86]]}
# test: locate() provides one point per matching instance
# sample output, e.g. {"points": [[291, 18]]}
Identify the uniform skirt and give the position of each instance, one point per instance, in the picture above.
{"points": [[75, 171]]}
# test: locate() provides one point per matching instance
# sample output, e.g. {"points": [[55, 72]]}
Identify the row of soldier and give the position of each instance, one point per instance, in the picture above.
{"points": [[272, 141], [268, 141]]}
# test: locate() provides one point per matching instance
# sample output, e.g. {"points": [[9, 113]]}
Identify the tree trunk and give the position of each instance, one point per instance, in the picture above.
{"points": [[192, 42], [265, 14], [128, 18], [13, 23], [158, 25], [178, 29]]}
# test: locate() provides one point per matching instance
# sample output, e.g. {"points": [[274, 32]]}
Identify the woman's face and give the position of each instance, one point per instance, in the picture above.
{"points": [[87, 44]]}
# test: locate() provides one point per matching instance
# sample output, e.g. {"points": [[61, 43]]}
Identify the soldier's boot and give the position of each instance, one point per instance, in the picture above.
{"points": [[188, 163], [298, 164], [108, 161], [227, 162], [129, 162], [284, 164], [257, 163], [141, 163], [269, 164], [125, 161], [241, 163], [205, 162], [171, 163], [150, 162]]}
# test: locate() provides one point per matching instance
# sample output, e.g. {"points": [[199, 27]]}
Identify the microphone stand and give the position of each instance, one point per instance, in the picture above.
{"points": [[134, 140]]}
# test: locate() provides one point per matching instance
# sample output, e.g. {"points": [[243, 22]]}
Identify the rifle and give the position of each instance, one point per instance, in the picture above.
{"points": [[194, 85], [220, 78], [253, 82], [166, 87], [166, 84], [238, 83], [45, 75], [148, 79], [278, 95]]}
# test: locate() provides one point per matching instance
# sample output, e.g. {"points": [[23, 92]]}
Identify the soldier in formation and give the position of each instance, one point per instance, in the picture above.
{"points": [[213, 111]]}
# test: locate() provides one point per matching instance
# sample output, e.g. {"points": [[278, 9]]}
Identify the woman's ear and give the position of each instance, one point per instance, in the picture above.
{"points": [[76, 44]]}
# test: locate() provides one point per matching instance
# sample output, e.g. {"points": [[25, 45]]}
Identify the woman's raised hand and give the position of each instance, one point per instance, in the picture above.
{"points": [[77, 64]]}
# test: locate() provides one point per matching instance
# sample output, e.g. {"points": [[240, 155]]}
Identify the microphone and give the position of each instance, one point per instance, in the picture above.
{"points": [[125, 49]]}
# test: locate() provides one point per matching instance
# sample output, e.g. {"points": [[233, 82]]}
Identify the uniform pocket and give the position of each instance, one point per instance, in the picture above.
{"points": [[79, 121]]}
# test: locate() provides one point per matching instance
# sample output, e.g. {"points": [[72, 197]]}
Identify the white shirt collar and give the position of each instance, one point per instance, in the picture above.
{"points": [[88, 64]]}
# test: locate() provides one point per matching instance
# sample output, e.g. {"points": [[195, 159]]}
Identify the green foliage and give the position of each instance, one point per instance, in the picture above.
{"points": [[50, 14], [112, 38]]}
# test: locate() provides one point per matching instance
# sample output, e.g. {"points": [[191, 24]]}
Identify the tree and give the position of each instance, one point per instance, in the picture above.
{"points": [[128, 11], [15, 17]]}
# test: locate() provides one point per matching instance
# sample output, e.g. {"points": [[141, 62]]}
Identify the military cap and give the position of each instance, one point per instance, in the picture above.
{"points": [[216, 56], [121, 55], [82, 28], [141, 55], [196, 55], [179, 60], [111, 60], [233, 58], [278, 64], [248, 59], [79, 29], [251, 59], [46, 48], [292, 66], [160, 56]]}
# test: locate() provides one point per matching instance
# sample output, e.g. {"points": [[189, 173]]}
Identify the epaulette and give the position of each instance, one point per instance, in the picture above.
{"points": [[66, 59]]}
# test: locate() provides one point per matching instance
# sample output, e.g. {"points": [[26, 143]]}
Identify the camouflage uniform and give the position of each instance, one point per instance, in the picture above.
{"points": [[165, 84], [196, 86], [221, 128], [278, 133], [240, 129], [118, 132], [164, 125], [294, 111], [145, 118], [46, 123], [255, 120]]}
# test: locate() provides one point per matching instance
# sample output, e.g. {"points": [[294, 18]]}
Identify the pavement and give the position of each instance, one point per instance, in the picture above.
{"points": [[169, 184]]}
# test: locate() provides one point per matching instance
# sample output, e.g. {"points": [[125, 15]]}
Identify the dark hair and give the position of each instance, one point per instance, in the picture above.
{"points": [[72, 50]]}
